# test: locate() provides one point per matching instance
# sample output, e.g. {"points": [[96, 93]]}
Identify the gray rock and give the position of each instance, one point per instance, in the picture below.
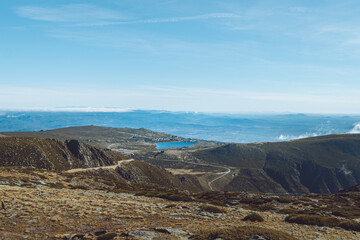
{"points": [[3, 205], [11, 215], [143, 234], [172, 231], [257, 237]]}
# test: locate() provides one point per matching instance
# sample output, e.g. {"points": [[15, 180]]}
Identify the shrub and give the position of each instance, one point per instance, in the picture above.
{"points": [[213, 209], [79, 187], [323, 221], [254, 217], [350, 225], [345, 211], [284, 199], [241, 233], [313, 220], [255, 201], [107, 236]]}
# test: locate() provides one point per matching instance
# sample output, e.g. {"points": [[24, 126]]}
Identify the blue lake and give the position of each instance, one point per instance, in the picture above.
{"points": [[164, 145]]}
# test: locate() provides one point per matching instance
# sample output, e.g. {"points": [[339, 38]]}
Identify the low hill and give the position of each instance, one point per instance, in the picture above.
{"points": [[113, 138], [58, 155], [52, 154], [323, 164]]}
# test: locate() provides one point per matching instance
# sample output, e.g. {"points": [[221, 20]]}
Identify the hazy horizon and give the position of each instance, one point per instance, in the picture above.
{"points": [[123, 110]]}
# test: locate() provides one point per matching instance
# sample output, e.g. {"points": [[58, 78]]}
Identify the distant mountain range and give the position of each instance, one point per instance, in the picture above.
{"points": [[239, 128]]}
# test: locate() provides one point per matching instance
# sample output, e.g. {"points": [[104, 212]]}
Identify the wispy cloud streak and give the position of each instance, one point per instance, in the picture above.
{"points": [[69, 13], [88, 15]]}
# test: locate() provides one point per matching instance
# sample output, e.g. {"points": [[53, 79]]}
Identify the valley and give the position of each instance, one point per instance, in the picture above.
{"points": [[105, 183]]}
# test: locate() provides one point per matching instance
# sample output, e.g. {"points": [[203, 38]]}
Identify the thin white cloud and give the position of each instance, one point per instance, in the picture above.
{"points": [[169, 19], [89, 15], [67, 109], [69, 13], [189, 18]]}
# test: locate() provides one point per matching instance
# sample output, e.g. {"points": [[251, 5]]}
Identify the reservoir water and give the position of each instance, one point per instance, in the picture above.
{"points": [[165, 145]]}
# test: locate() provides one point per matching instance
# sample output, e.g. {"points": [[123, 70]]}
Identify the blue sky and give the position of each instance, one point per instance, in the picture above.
{"points": [[206, 56]]}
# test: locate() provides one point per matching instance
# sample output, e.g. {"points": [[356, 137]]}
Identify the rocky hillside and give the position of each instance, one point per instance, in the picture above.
{"points": [[60, 155], [52, 154], [324, 164]]}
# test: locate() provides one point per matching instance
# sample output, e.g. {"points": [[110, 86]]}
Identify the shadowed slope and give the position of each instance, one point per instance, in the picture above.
{"points": [[324, 164], [52, 154]]}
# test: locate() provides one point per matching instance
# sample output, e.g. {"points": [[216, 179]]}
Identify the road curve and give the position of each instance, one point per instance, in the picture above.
{"points": [[102, 167], [223, 174]]}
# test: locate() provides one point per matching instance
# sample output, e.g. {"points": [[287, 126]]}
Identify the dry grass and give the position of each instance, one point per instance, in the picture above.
{"points": [[325, 221], [242, 233], [212, 209], [322, 221]]}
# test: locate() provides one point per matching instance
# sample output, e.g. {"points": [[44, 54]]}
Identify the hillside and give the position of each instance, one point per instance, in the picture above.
{"points": [[66, 189], [323, 164], [39, 204], [52, 154]]}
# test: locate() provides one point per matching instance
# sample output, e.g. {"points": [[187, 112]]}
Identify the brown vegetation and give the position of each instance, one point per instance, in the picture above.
{"points": [[253, 217], [325, 221], [212, 209], [242, 233]]}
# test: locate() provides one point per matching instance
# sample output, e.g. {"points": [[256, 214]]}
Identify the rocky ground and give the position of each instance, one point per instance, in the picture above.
{"points": [[42, 205]]}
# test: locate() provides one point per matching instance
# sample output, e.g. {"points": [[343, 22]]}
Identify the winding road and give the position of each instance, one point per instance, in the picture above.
{"points": [[102, 167], [222, 174], [210, 183]]}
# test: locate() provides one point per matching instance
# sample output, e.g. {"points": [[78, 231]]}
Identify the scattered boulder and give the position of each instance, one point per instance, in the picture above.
{"points": [[143, 234], [172, 231]]}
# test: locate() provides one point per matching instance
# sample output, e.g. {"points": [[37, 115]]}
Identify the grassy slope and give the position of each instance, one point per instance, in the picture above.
{"points": [[320, 164]]}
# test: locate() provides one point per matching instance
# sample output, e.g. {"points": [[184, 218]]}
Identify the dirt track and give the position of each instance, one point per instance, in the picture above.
{"points": [[102, 167]]}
